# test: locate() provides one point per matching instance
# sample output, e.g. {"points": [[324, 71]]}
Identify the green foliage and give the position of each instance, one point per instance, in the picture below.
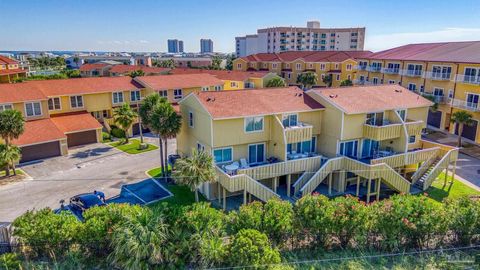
{"points": [[106, 137], [12, 125], [124, 117], [136, 73], [46, 233], [307, 79], [278, 220], [42, 63], [170, 63], [328, 80], [229, 64], [464, 216], [249, 216], [201, 218], [9, 156], [313, 216], [346, 82], [10, 261], [252, 248], [275, 82], [117, 133], [461, 118], [71, 73]]}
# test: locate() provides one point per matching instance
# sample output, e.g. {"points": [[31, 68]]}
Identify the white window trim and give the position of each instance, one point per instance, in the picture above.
{"points": [[34, 115], [286, 115], [176, 96], [340, 142], [160, 92], [413, 141], [264, 152], [113, 97], [7, 104], [253, 131], [76, 102], [222, 148], [140, 95], [60, 102], [205, 88], [202, 146]]}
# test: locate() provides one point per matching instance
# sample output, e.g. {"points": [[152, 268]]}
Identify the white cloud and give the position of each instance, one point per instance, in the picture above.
{"points": [[387, 41]]}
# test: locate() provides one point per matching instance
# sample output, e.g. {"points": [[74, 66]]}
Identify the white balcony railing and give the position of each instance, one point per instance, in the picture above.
{"points": [[437, 99], [391, 70], [463, 104], [374, 68], [412, 73], [468, 79], [359, 67], [362, 82], [439, 76]]}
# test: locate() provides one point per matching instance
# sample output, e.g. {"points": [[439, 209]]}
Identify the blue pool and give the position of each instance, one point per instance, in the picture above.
{"points": [[144, 192]]}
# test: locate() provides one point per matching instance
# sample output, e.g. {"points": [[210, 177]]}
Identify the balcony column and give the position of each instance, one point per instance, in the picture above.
{"points": [[379, 183], [224, 199], [330, 183], [244, 196], [275, 184], [358, 186], [453, 170], [369, 185], [446, 172], [219, 193], [289, 180]]}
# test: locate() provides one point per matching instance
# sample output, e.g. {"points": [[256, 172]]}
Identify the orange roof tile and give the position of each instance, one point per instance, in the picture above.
{"points": [[17, 92], [94, 66], [12, 71], [178, 81], [124, 69], [75, 122], [7, 61], [460, 52], [308, 56], [39, 131], [364, 99], [231, 75], [241, 103]]}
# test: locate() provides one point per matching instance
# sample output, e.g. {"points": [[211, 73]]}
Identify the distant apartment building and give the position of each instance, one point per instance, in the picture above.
{"points": [[206, 46], [175, 46], [339, 65], [10, 70], [310, 38], [75, 62], [447, 72]]}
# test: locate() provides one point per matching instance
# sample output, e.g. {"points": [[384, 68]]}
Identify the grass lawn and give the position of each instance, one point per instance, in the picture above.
{"points": [[182, 195], [454, 189], [133, 147], [19, 172]]}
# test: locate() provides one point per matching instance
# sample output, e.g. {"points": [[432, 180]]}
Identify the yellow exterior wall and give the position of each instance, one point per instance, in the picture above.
{"points": [[21, 107]]}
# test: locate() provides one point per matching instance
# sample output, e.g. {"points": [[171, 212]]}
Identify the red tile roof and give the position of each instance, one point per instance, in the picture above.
{"points": [[17, 92], [124, 69], [162, 82], [39, 131], [7, 61], [230, 75], [75, 86], [241, 103], [91, 67], [75, 122], [12, 71], [460, 52], [364, 99], [308, 56]]}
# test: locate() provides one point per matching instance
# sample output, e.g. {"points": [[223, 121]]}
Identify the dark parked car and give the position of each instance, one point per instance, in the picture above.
{"points": [[81, 202]]}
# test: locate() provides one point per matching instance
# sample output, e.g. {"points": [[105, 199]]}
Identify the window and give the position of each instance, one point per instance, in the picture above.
{"points": [[403, 114], [338, 77], [393, 67], [117, 97], [253, 124], [76, 101], [374, 119], [256, 153], [369, 147], [299, 66], [414, 70], [200, 147], [274, 65], [391, 82], [438, 92], [322, 66], [223, 155], [411, 139], [303, 147], [336, 65], [33, 109], [205, 88], [472, 75], [239, 66], [233, 84], [290, 120], [4, 107], [349, 67], [422, 88], [450, 93], [472, 100], [190, 119], [177, 93], [375, 80], [54, 103], [218, 87], [349, 148], [249, 85], [135, 95], [412, 87], [441, 72], [163, 93]]}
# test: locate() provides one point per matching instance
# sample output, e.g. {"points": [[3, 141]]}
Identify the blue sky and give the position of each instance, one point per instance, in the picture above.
{"points": [[145, 25]]}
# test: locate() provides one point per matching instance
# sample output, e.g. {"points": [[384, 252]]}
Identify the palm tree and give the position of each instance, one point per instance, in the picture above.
{"points": [[136, 73], [275, 82], [140, 242], [195, 170], [12, 125], [328, 80], [307, 79], [461, 118], [124, 117], [8, 157]]}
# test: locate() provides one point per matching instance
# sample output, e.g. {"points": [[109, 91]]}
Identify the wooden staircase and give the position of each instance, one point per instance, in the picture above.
{"points": [[423, 177]]}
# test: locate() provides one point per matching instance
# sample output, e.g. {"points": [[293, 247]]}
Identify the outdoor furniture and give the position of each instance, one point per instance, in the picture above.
{"points": [[230, 169], [243, 163]]}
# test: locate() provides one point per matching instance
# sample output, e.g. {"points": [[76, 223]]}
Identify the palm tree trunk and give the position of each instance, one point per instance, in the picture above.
{"points": [[166, 155], [460, 131], [126, 136], [7, 167], [13, 167], [162, 164], [196, 195]]}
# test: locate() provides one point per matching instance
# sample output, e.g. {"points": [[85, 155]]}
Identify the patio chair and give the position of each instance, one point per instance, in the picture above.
{"points": [[243, 163], [236, 163]]}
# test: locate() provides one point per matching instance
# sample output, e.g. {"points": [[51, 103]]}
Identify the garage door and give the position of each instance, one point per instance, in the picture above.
{"points": [[434, 118], [469, 132], [80, 138], [136, 130], [39, 151]]}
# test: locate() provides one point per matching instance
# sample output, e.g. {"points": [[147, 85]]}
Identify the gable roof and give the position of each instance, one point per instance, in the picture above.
{"points": [[267, 101], [11, 93], [90, 67], [75, 122], [39, 131], [7, 61], [308, 56], [231, 75], [365, 99], [123, 69], [461, 52], [162, 82]]}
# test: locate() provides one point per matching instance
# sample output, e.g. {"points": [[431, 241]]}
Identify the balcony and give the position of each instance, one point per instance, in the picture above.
{"points": [[438, 76], [380, 133], [299, 133], [359, 67], [412, 73], [414, 127], [437, 99], [391, 70], [475, 80], [463, 104], [374, 68], [362, 82]]}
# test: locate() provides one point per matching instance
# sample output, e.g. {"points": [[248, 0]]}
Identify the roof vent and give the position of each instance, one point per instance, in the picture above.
{"points": [[333, 96], [398, 90]]}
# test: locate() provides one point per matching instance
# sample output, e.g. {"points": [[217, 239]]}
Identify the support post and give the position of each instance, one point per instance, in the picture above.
{"points": [[244, 196], [275, 183], [454, 170], [358, 186], [379, 184], [330, 176], [369, 185], [224, 199], [219, 193], [289, 180]]}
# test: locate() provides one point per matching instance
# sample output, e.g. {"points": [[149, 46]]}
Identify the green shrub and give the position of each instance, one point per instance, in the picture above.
{"points": [[464, 216], [106, 137], [201, 218], [313, 218], [252, 248], [10, 261], [249, 216], [278, 220], [45, 233], [117, 133]]}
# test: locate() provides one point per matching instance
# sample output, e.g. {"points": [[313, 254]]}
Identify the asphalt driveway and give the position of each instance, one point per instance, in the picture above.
{"points": [[87, 168]]}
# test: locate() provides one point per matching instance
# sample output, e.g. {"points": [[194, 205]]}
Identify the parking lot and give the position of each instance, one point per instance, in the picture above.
{"points": [[87, 168]]}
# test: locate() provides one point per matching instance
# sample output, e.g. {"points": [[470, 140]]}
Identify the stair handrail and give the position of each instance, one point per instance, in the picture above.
{"points": [[402, 184], [307, 188], [439, 167], [268, 193], [301, 181], [423, 169]]}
